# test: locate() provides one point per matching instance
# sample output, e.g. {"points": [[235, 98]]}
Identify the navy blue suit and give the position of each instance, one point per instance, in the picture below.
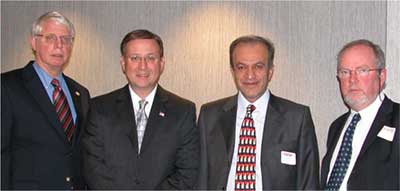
{"points": [[35, 153]]}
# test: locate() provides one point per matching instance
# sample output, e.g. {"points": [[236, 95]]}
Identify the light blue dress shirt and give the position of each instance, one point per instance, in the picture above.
{"points": [[46, 81]]}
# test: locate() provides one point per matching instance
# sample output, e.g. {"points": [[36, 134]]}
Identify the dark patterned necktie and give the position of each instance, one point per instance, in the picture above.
{"points": [[245, 178], [343, 159], [141, 121], [63, 110]]}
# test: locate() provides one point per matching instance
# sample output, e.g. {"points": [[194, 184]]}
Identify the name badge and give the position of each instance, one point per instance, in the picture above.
{"points": [[288, 158], [387, 133]]}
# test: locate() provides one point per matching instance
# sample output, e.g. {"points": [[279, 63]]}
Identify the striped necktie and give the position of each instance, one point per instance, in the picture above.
{"points": [[245, 178], [63, 111]]}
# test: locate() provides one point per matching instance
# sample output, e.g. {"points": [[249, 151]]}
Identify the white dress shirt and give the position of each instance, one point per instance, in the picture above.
{"points": [[259, 118], [135, 103], [360, 133]]}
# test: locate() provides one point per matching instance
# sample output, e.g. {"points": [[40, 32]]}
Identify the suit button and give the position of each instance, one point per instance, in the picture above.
{"points": [[68, 179], [72, 187]]}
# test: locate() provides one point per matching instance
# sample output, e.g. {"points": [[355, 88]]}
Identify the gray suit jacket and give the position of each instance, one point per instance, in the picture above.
{"points": [[169, 155], [288, 127]]}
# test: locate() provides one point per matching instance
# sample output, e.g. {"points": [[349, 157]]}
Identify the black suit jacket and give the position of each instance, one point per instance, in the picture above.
{"points": [[288, 127], [169, 153], [34, 148], [377, 165]]}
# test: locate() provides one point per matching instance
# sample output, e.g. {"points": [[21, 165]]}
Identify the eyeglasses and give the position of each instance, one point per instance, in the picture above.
{"points": [[360, 72], [52, 38], [148, 59]]}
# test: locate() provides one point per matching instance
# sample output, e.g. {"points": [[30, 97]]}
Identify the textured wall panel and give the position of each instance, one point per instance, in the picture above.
{"points": [[307, 36]]}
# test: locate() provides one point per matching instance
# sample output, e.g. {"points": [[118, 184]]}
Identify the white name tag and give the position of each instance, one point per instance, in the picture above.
{"points": [[288, 158], [387, 133]]}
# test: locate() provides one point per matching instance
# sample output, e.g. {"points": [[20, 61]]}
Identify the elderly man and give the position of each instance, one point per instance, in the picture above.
{"points": [[141, 136], [255, 140], [42, 112], [363, 144]]}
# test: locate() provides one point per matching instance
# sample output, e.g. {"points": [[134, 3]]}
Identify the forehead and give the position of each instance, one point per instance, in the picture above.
{"points": [[142, 45], [52, 26], [357, 56], [250, 52]]}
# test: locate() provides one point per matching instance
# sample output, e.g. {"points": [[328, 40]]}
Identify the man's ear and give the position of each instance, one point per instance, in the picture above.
{"points": [[122, 63]]}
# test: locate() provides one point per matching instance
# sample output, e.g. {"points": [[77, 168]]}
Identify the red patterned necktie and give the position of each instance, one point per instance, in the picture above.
{"points": [[245, 178], [63, 110]]}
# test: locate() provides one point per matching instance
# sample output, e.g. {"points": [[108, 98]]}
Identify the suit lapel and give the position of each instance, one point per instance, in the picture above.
{"points": [[331, 144], [228, 125], [36, 89], [382, 118], [273, 119], [126, 116], [157, 118]]}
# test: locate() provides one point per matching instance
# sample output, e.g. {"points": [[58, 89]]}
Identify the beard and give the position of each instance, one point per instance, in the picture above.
{"points": [[356, 102]]}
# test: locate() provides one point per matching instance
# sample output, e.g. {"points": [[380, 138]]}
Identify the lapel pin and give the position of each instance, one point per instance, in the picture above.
{"points": [[162, 114], [77, 93]]}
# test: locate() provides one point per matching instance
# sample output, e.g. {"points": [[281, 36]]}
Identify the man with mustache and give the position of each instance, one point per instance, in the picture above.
{"points": [[363, 144], [255, 140], [141, 137]]}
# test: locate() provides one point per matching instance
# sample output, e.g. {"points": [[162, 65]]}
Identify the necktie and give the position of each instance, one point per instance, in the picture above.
{"points": [[245, 178], [343, 159], [63, 111], [141, 121]]}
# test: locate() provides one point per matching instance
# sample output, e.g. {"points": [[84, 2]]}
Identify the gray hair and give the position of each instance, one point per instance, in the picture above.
{"points": [[55, 16], [379, 55]]}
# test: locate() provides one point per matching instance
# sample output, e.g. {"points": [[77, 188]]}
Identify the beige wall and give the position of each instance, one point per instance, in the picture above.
{"points": [[307, 36]]}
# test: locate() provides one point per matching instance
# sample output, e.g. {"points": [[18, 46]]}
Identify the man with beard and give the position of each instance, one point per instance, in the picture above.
{"points": [[363, 144]]}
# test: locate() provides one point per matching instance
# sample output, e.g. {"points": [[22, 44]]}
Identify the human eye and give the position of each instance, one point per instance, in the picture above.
{"points": [[260, 66], [135, 58], [151, 58], [343, 73], [240, 67], [66, 39], [50, 38], [362, 71]]}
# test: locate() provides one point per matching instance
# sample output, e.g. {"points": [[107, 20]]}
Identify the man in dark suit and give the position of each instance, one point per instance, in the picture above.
{"points": [[141, 136], [364, 142], [42, 112], [255, 140]]}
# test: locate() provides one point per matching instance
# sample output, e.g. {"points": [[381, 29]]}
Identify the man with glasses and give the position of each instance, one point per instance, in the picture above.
{"points": [[42, 112], [141, 137], [363, 144]]}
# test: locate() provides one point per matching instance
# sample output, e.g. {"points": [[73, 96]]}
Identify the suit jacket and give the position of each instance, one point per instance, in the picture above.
{"points": [[169, 153], [35, 151], [377, 165], [288, 127]]}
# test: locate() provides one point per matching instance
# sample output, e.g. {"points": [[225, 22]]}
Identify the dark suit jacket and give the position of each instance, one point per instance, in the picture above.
{"points": [[288, 127], [35, 153], [377, 165], [169, 153]]}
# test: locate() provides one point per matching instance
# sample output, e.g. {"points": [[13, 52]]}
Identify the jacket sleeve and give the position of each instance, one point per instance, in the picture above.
{"points": [[308, 166], [6, 129], [94, 168], [187, 159]]}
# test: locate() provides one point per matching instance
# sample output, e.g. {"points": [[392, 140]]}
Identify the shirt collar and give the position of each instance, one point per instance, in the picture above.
{"points": [[261, 103], [149, 98], [44, 77], [370, 111]]}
